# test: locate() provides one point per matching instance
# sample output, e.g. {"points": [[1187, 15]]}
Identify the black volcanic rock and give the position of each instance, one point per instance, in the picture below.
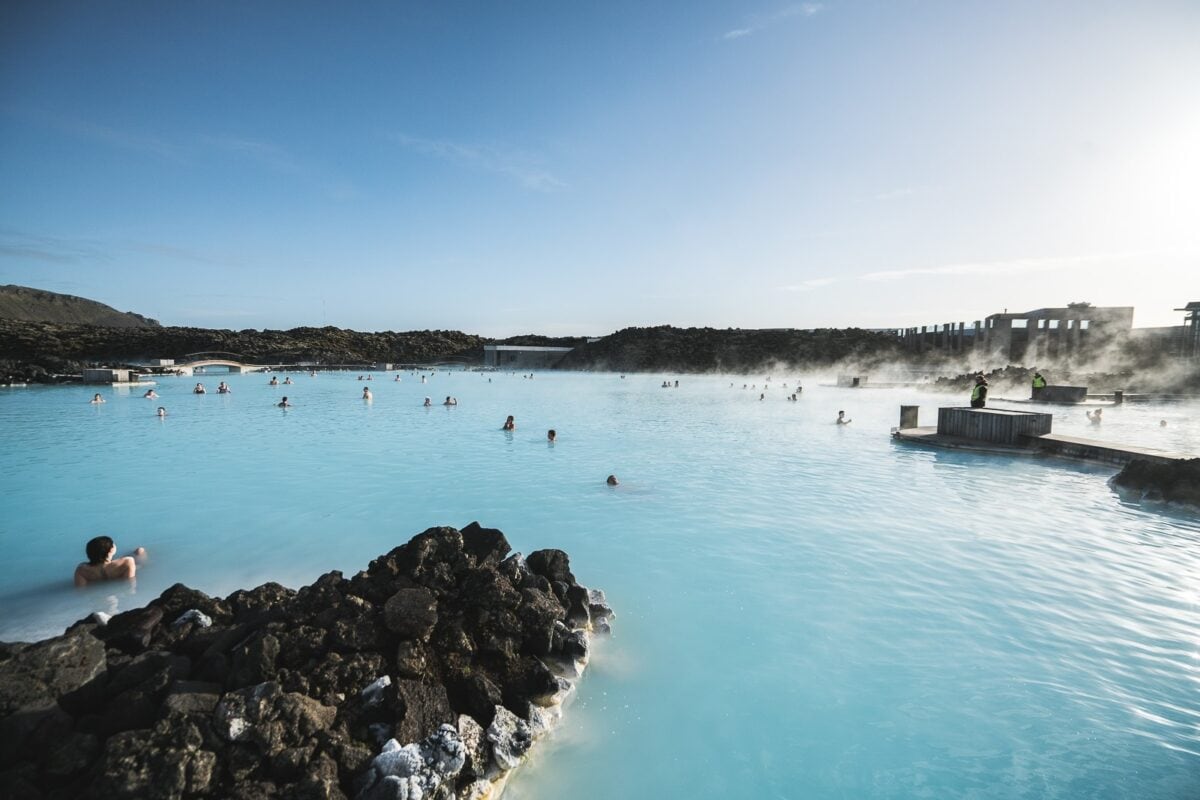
{"points": [[34, 351], [444, 651], [683, 350], [1174, 482]]}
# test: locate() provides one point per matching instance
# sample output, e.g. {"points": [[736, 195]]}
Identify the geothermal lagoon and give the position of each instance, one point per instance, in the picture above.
{"points": [[804, 610]]}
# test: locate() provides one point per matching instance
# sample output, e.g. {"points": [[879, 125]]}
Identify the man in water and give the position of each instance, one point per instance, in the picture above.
{"points": [[284, 403], [366, 393], [100, 565], [223, 388], [1094, 416], [841, 420], [162, 412], [150, 394], [509, 424], [97, 399], [551, 436], [979, 392], [199, 389], [612, 481]]}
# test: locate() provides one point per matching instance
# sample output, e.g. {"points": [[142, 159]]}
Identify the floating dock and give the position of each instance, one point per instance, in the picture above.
{"points": [[1020, 433]]}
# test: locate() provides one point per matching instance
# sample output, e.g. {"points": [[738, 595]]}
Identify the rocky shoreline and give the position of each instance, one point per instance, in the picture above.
{"points": [[1177, 482], [428, 675]]}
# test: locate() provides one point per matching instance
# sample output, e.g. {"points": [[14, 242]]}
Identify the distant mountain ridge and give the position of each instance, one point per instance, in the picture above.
{"points": [[37, 305]]}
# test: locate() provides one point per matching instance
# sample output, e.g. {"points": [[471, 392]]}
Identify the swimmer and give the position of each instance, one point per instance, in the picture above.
{"points": [[284, 403], [96, 399], [762, 397], [150, 394], [223, 388], [428, 402], [551, 436], [366, 393], [312, 373], [288, 381], [841, 420], [199, 389], [1094, 416], [509, 424], [450, 401], [100, 565], [162, 412], [1162, 423], [612, 481], [274, 381], [397, 379]]}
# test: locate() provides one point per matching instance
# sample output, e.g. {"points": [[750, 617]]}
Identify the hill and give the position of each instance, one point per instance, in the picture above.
{"points": [[36, 305]]}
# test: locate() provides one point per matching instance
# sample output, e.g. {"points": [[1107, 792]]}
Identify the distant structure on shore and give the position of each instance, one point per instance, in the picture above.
{"points": [[1080, 330], [505, 356], [1189, 345]]}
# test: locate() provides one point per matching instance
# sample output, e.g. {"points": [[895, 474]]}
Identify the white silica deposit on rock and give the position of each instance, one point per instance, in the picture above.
{"points": [[414, 771]]}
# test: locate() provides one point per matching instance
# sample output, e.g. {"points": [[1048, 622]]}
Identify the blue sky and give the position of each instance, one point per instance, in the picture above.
{"points": [[574, 167]]}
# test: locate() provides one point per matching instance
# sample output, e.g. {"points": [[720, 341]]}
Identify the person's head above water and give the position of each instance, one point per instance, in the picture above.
{"points": [[99, 549], [612, 480], [551, 434]]}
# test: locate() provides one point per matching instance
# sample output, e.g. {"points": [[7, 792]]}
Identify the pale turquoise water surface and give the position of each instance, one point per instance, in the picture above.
{"points": [[805, 611]]}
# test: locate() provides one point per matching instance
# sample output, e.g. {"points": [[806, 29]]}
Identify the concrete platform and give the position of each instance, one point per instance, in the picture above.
{"points": [[1048, 444], [1054, 444]]}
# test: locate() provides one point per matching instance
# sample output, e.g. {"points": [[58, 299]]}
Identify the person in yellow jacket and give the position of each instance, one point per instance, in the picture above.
{"points": [[1038, 381], [979, 393]]}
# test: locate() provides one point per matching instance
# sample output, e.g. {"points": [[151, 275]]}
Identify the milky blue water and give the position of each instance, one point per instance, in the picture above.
{"points": [[805, 610]]}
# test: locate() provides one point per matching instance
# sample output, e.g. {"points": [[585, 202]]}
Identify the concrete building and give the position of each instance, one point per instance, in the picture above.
{"points": [[1080, 329], [106, 375], [1189, 339], [1044, 334], [504, 356]]}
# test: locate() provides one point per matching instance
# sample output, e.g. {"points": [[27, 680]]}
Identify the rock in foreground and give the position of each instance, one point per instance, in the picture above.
{"points": [[428, 675], [1176, 482]]}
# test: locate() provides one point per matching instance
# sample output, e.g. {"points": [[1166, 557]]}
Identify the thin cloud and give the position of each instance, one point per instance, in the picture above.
{"points": [[1014, 266], [22, 246], [760, 22], [809, 285], [518, 166], [121, 139], [896, 194], [265, 153], [50, 249], [278, 159]]}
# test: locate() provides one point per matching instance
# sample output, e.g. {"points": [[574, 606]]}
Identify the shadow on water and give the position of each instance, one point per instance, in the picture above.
{"points": [[1182, 513]]}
